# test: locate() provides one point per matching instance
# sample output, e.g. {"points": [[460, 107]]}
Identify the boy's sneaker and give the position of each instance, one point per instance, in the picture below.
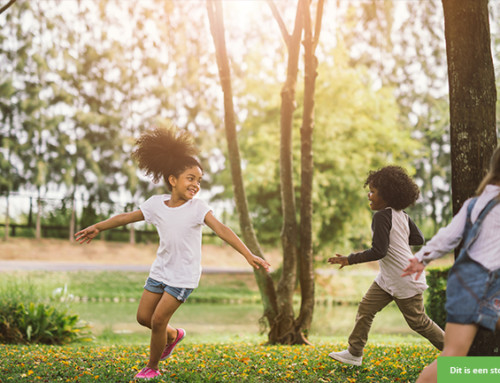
{"points": [[181, 333], [147, 373], [346, 357]]}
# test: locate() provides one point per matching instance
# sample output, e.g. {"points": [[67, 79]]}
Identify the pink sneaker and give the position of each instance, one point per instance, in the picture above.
{"points": [[181, 333], [147, 373]]}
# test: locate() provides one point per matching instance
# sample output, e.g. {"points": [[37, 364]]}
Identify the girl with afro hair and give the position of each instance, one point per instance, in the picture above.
{"points": [[390, 191], [169, 154]]}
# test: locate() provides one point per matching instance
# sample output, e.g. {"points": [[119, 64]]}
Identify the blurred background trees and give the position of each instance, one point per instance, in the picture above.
{"points": [[79, 81]]}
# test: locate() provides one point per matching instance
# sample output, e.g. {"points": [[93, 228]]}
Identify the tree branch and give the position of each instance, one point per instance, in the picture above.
{"points": [[279, 20], [6, 6], [319, 18]]}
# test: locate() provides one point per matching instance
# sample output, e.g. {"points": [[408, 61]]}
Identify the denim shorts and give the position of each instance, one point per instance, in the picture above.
{"points": [[473, 295], [179, 293]]}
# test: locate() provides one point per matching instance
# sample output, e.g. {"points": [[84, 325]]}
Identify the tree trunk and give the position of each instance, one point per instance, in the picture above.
{"points": [[30, 214], [278, 305], [38, 227], [472, 95], [472, 108], [306, 261], [72, 225], [286, 286], [7, 217], [132, 234], [264, 280]]}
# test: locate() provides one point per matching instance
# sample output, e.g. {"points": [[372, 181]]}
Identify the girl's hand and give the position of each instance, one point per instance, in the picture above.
{"points": [[256, 262], [339, 260], [87, 235], [415, 266]]}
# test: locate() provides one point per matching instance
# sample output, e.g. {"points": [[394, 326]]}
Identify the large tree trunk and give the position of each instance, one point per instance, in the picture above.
{"points": [[472, 95], [472, 108], [264, 280]]}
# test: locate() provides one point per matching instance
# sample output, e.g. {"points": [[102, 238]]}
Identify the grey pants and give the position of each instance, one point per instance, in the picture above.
{"points": [[412, 309]]}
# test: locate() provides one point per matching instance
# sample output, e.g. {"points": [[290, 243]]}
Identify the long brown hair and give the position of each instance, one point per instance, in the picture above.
{"points": [[162, 152], [493, 175]]}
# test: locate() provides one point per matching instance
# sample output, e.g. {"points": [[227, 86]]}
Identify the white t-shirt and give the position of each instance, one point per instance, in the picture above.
{"points": [[178, 259]]}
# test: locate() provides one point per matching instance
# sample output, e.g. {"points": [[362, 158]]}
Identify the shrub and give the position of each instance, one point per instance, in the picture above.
{"points": [[24, 318], [437, 279]]}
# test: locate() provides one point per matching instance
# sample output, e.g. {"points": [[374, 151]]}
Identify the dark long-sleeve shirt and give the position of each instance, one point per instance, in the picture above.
{"points": [[393, 234]]}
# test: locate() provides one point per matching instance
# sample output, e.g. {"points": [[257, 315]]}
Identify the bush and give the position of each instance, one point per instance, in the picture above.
{"points": [[25, 319], [437, 279]]}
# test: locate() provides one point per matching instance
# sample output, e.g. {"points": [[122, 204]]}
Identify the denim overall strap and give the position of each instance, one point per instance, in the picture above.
{"points": [[474, 231], [471, 230], [468, 223]]}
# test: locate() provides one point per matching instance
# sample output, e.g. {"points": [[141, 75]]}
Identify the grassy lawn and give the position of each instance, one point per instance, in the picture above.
{"points": [[222, 303], [345, 286], [214, 362], [224, 342]]}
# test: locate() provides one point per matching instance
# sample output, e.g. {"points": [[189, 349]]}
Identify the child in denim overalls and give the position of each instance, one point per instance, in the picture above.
{"points": [[473, 291]]}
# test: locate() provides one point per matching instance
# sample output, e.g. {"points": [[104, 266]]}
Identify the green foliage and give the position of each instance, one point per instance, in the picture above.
{"points": [[357, 129], [437, 278], [37, 323], [24, 318], [72, 102]]}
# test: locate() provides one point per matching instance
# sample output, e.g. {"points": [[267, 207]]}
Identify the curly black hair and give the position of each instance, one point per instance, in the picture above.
{"points": [[394, 185], [162, 152]]}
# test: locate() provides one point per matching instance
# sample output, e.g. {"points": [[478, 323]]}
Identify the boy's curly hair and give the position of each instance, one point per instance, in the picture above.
{"points": [[162, 152], [394, 185]]}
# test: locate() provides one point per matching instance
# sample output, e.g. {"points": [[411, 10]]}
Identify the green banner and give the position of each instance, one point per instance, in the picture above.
{"points": [[467, 369]]}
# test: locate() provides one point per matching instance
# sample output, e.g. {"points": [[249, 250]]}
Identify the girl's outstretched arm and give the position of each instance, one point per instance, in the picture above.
{"points": [[232, 239], [89, 233]]}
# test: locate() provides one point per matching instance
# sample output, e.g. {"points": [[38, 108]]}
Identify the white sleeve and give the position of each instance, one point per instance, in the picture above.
{"points": [[148, 210], [446, 239], [202, 210]]}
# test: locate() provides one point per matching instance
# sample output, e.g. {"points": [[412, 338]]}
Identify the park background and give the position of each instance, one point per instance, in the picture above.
{"points": [[81, 80]]}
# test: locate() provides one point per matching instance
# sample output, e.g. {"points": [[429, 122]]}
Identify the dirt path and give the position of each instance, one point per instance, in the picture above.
{"points": [[54, 253]]}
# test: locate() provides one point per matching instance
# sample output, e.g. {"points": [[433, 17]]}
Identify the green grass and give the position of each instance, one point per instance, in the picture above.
{"points": [[127, 286], [343, 286], [115, 323], [224, 342], [87, 285], [226, 307], [214, 362]]}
